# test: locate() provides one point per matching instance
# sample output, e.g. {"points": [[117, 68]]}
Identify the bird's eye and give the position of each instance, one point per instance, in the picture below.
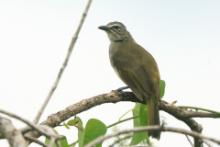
{"points": [[117, 28]]}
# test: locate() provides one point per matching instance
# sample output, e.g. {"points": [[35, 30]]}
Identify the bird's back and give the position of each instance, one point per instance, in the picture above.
{"points": [[131, 57]]}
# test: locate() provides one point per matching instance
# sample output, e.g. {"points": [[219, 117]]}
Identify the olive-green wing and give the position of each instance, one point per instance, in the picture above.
{"points": [[140, 81], [147, 80]]}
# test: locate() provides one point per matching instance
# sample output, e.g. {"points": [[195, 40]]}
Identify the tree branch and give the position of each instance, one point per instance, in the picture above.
{"points": [[114, 97], [39, 129], [14, 136], [182, 114], [85, 104], [160, 128]]}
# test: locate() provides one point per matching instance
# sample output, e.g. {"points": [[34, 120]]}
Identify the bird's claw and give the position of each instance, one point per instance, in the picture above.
{"points": [[121, 89]]}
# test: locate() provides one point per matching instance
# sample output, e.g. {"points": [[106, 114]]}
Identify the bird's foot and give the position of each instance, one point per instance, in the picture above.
{"points": [[121, 89]]}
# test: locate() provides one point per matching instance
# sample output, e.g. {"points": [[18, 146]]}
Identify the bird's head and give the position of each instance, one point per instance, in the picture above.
{"points": [[116, 31]]}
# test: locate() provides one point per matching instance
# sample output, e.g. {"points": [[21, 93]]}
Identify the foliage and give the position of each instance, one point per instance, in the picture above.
{"points": [[140, 111], [62, 142], [162, 88]]}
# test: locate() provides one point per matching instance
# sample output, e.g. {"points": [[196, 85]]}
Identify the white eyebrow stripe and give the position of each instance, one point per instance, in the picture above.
{"points": [[113, 25]]}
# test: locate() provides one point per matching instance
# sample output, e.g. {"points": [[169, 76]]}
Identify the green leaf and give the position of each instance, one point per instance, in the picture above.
{"points": [[162, 88], [66, 126], [94, 128], [47, 142], [62, 142], [76, 122], [139, 110]]}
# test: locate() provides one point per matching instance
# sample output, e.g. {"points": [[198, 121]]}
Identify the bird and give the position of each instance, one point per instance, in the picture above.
{"points": [[137, 68]]}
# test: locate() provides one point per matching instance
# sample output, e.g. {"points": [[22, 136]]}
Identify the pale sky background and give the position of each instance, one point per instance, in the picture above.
{"points": [[183, 36]]}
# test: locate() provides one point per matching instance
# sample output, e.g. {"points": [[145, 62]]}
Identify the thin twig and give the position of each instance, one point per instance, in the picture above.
{"points": [[64, 65], [160, 128], [32, 139], [120, 139], [121, 121], [199, 108], [123, 115], [188, 139], [207, 143]]}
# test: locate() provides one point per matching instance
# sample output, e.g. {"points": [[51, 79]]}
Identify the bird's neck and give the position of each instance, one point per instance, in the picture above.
{"points": [[125, 39]]}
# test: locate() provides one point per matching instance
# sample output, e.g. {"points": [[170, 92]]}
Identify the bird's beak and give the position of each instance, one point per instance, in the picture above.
{"points": [[105, 28]]}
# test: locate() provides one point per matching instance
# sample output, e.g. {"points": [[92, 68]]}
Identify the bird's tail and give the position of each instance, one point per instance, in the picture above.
{"points": [[153, 116]]}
